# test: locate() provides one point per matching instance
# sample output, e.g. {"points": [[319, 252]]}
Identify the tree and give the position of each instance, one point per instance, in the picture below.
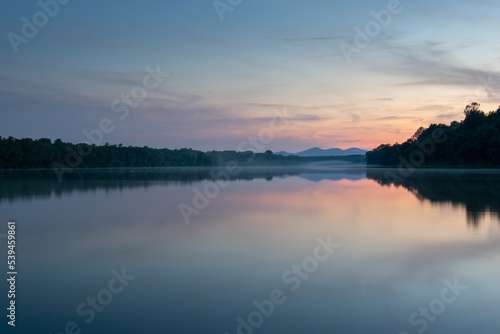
{"points": [[472, 109], [473, 141]]}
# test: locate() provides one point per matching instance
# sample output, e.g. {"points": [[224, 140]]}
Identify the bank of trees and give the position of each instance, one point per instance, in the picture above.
{"points": [[475, 141], [43, 153]]}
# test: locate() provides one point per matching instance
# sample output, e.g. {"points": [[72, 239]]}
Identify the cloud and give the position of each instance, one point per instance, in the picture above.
{"points": [[321, 38], [433, 65], [292, 107], [94, 41], [353, 116], [489, 4], [390, 118], [450, 115], [357, 54], [295, 118]]}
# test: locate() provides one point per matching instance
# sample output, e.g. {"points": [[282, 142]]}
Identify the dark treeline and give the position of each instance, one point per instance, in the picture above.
{"points": [[475, 141], [43, 153]]}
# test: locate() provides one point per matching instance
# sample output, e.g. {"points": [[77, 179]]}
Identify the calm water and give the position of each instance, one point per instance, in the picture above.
{"points": [[273, 251]]}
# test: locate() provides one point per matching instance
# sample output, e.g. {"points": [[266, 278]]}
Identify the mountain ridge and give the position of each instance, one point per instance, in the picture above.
{"points": [[318, 152]]}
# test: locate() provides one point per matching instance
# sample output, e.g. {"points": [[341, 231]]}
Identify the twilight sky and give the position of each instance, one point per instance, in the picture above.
{"points": [[343, 78]]}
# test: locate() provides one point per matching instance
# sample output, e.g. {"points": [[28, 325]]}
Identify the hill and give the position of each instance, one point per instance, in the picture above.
{"points": [[332, 152], [29, 153], [475, 141]]}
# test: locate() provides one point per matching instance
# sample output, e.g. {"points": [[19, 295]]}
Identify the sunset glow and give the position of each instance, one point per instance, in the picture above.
{"points": [[226, 74]]}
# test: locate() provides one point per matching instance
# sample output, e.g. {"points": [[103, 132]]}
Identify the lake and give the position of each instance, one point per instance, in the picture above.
{"points": [[317, 249]]}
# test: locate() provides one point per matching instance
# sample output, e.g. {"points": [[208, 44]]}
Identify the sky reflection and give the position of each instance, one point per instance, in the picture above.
{"points": [[396, 251]]}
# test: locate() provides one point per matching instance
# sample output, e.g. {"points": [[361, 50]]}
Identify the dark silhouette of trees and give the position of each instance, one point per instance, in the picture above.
{"points": [[43, 153], [475, 141]]}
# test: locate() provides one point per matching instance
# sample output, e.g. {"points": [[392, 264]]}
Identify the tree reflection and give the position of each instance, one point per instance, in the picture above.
{"points": [[476, 190], [38, 184]]}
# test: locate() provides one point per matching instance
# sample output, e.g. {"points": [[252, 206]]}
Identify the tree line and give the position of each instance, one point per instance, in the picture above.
{"points": [[475, 141], [44, 153]]}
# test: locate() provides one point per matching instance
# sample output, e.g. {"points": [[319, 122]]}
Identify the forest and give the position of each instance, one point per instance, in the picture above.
{"points": [[475, 141], [29, 153]]}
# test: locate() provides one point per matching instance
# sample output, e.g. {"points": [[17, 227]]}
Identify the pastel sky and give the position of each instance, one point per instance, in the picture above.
{"points": [[225, 80]]}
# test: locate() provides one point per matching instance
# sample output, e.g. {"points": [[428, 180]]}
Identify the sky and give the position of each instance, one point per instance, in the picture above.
{"points": [[283, 74]]}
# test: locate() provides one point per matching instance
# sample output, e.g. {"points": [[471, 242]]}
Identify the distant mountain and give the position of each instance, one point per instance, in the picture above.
{"points": [[318, 152]]}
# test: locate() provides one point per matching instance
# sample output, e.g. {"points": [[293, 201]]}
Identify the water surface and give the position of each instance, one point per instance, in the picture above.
{"points": [[400, 243]]}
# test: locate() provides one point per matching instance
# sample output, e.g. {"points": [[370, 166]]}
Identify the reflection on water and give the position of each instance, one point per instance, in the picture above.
{"points": [[27, 184], [478, 191], [396, 251]]}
